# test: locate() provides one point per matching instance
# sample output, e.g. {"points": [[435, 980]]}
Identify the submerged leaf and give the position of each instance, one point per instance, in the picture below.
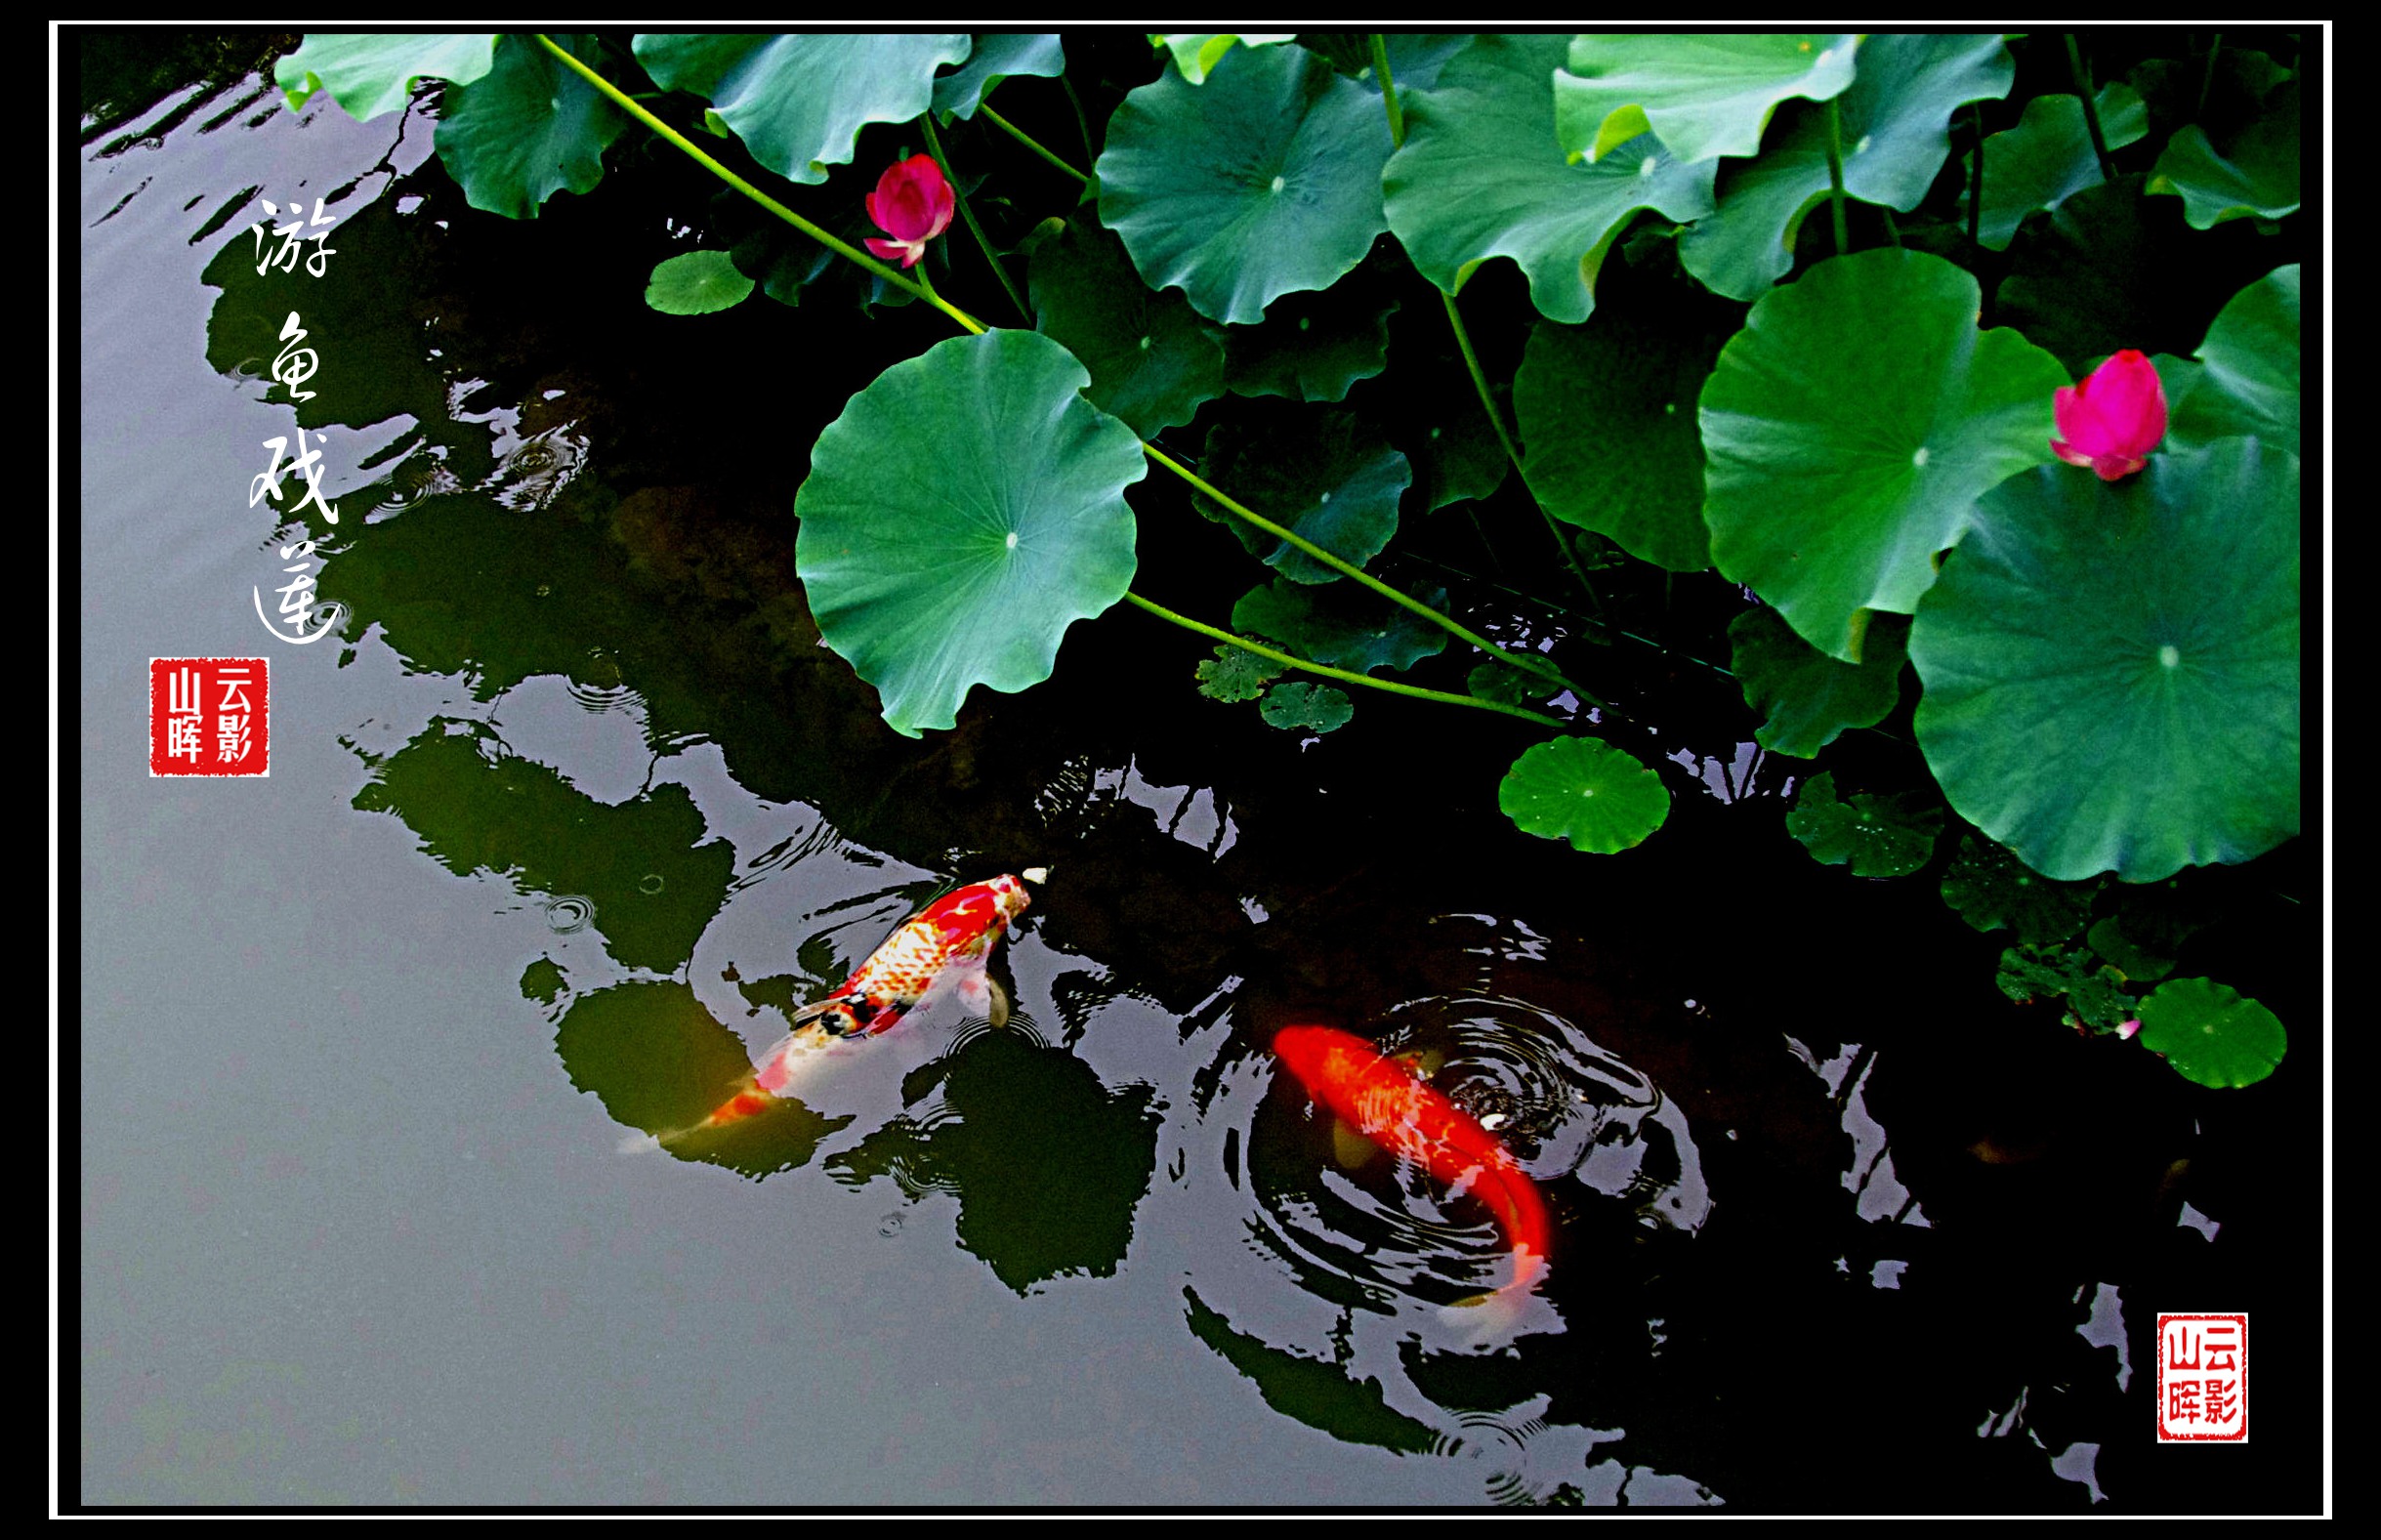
{"points": [[1990, 889], [2095, 997], [1345, 627], [1235, 674], [1314, 708], [1583, 790], [1880, 836]]}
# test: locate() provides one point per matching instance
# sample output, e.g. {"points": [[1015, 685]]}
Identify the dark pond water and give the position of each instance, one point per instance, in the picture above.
{"points": [[573, 809]]}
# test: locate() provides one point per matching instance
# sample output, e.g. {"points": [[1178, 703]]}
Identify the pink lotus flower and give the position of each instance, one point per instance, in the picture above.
{"points": [[913, 203], [2112, 421]]}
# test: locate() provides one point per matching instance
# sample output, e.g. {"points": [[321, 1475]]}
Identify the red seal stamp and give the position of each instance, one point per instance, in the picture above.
{"points": [[2202, 1379], [208, 717]]}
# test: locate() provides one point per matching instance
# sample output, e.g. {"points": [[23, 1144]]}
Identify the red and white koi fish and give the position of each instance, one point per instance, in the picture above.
{"points": [[1386, 1101], [945, 944]]}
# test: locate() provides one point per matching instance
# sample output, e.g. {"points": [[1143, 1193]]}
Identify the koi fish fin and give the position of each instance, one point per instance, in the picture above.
{"points": [[997, 1007], [1349, 1148], [1509, 1311]]}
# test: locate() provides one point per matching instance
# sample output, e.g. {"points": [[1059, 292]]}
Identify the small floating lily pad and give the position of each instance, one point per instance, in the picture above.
{"points": [[1235, 674], [697, 283], [2210, 1035], [2094, 995], [1990, 889], [1600, 798], [1880, 835], [1314, 708]]}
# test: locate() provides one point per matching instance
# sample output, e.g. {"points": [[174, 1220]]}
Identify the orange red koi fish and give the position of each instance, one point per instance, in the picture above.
{"points": [[949, 941], [1386, 1101]]}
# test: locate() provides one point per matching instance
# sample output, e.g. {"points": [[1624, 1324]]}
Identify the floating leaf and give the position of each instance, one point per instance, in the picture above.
{"points": [[1317, 469], [1479, 177], [1310, 348], [1806, 696], [799, 100], [1583, 790], [1704, 93], [1235, 674], [1992, 888], [1611, 439], [2258, 175], [1503, 681], [962, 513], [1345, 627], [528, 129], [697, 283], [2095, 996], [1264, 181], [2136, 960], [2111, 668], [996, 56], [1315, 708], [1849, 429], [369, 73], [1880, 836], [2210, 1035], [2249, 385], [1892, 125], [2047, 157], [1152, 359], [1198, 52]]}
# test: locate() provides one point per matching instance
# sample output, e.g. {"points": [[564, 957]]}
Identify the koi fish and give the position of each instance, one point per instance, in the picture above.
{"points": [[947, 942], [1386, 1101]]}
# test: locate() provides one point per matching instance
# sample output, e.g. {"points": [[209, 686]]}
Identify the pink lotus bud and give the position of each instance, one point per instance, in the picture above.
{"points": [[2128, 1028], [913, 203], [2112, 421]]}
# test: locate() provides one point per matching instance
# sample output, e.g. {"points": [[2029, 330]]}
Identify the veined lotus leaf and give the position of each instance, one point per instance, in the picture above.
{"points": [[2249, 383], [369, 73], [1704, 94], [1879, 836], [996, 56], [2210, 1035], [2111, 668], [1152, 359], [1611, 439], [1480, 176], [1344, 627], [1321, 470], [1895, 140], [799, 100], [1314, 708], [1235, 674], [1849, 429], [1195, 53], [1312, 347], [1264, 181], [1586, 791], [697, 283], [1806, 696], [1990, 889], [2258, 175], [2047, 158], [528, 129], [962, 513], [1414, 58]]}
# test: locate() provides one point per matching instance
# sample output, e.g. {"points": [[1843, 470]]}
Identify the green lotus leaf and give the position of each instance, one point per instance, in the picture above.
{"points": [[1196, 54], [1345, 627], [2249, 384], [1806, 696], [1880, 836], [1264, 181], [799, 100], [1895, 140], [1480, 176], [2111, 668], [1322, 472], [1152, 359], [962, 513], [526, 130], [2259, 173], [1310, 348], [1586, 791], [1235, 674], [1611, 439], [1992, 890], [2140, 960], [1704, 94], [369, 73], [1849, 429], [697, 283], [2181, 91], [1414, 58], [2047, 158], [1314, 708], [996, 56], [1503, 681], [1430, 408], [2210, 1035], [2096, 998]]}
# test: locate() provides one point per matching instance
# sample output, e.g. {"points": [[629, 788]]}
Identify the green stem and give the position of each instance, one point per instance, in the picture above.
{"points": [[2091, 108], [1976, 179], [636, 110], [1028, 140], [1082, 124], [1327, 672], [1388, 90], [934, 144], [1893, 231], [1835, 178], [2208, 81]]}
